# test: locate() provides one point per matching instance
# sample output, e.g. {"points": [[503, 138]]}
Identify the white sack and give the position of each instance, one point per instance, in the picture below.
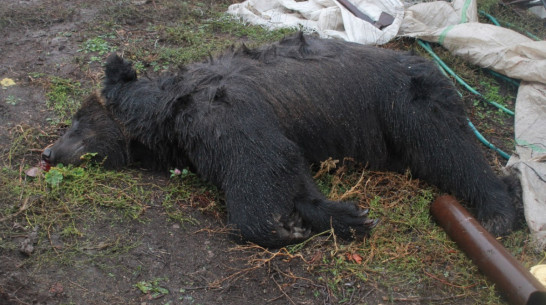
{"points": [[530, 157], [485, 45], [326, 17]]}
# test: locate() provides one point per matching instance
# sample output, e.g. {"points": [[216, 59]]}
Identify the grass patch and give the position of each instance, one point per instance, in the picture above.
{"points": [[65, 205], [98, 46], [63, 98], [12, 100], [488, 114], [512, 17], [67, 202], [189, 42], [22, 140], [407, 254], [152, 288], [36, 14], [192, 39]]}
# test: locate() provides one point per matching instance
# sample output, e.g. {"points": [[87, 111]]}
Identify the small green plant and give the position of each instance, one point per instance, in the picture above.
{"points": [[12, 100], [35, 75], [152, 288], [57, 174], [97, 45], [179, 173]]}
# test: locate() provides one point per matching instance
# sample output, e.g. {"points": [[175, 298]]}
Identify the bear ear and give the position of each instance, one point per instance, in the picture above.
{"points": [[118, 70]]}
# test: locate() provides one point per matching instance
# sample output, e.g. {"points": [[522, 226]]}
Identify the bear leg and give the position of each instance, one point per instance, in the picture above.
{"points": [[346, 218]]}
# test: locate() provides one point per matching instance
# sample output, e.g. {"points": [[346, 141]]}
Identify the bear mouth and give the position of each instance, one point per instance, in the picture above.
{"points": [[45, 165]]}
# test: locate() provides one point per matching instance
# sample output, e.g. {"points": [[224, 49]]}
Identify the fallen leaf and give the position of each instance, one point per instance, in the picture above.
{"points": [[6, 82], [357, 258], [33, 171], [354, 257], [316, 258], [56, 288]]}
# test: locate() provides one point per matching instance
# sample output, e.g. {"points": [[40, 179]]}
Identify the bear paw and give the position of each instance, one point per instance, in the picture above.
{"points": [[499, 224], [355, 224], [292, 228]]}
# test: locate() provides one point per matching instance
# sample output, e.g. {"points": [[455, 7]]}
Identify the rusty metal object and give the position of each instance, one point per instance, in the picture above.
{"points": [[515, 282]]}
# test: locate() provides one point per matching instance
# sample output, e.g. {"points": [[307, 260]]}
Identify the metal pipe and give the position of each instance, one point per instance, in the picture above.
{"points": [[518, 285]]}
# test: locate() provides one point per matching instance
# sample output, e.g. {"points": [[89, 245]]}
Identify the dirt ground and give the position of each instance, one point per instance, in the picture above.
{"points": [[196, 262]]}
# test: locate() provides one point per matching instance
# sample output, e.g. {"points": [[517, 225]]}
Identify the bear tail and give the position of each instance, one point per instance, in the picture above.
{"points": [[118, 70]]}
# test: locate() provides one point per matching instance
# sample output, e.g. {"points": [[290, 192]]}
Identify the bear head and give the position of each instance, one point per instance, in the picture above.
{"points": [[93, 130]]}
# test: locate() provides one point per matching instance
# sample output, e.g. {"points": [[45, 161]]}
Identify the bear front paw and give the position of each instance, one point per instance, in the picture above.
{"points": [[355, 224], [292, 228]]}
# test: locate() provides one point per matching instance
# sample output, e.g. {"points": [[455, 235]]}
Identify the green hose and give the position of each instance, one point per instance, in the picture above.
{"points": [[445, 69], [427, 47], [508, 24]]}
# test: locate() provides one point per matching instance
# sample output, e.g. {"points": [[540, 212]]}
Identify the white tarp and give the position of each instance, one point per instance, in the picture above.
{"points": [[328, 18], [454, 25]]}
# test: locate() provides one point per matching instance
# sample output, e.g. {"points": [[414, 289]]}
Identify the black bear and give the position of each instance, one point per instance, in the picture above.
{"points": [[252, 120]]}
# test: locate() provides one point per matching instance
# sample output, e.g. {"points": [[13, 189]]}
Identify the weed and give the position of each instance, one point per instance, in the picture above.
{"points": [[487, 5], [179, 173], [36, 75], [98, 46], [152, 288], [12, 100]]}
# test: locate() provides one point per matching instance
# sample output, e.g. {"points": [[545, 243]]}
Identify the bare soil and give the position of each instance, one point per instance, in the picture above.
{"points": [[195, 262]]}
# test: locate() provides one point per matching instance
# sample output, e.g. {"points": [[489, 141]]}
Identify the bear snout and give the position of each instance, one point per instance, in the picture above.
{"points": [[46, 154]]}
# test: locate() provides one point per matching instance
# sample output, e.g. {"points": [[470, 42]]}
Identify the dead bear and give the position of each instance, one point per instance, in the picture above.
{"points": [[252, 120]]}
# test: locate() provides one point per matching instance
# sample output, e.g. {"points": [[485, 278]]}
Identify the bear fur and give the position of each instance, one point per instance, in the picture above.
{"points": [[252, 120]]}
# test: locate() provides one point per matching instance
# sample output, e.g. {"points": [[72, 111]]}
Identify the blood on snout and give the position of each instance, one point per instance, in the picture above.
{"points": [[44, 165]]}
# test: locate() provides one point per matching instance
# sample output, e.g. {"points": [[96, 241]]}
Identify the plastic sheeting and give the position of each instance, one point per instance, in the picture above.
{"points": [[328, 18], [530, 157], [454, 25]]}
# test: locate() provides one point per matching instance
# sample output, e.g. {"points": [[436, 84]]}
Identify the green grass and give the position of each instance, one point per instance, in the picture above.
{"points": [[407, 253], [491, 89], [63, 98], [66, 202], [191, 41], [508, 16]]}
